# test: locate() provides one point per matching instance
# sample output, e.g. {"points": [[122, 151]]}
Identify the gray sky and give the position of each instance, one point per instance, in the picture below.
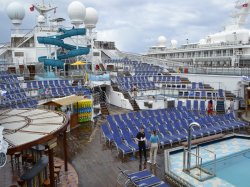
{"points": [[135, 25]]}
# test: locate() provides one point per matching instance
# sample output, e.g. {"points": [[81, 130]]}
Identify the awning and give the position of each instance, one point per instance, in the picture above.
{"points": [[64, 101], [78, 63]]}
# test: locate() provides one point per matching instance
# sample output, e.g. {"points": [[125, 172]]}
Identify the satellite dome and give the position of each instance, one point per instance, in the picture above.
{"points": [[91, 18], [202, 41], [16, 13], [76, 12], [162, 41], [41, 19], [174, 43]]}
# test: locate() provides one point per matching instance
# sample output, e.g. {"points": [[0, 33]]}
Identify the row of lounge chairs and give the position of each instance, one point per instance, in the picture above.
{"points": [[140, 86], [61, 92], [171, 125], [14, 96], [202, 94], [165, 79], [158, 78], [8, 78], [48, 84]]}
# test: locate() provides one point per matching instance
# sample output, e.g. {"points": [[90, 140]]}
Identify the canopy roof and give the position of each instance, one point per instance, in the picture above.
{"points": [[64, 101], [24, 128]]}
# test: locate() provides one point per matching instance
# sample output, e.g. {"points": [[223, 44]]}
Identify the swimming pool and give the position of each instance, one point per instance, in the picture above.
{"points": [[232, 163], [234, 168]]}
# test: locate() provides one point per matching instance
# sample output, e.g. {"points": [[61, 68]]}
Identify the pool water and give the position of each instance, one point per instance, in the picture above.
{"points": [[232, 164], [235, 168]]}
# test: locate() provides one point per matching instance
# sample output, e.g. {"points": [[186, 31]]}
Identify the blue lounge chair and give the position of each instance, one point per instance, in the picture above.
{"points": [[129, 140], [188, 104], [107, 133], [151, 181], [122, 146], [196, 107]]}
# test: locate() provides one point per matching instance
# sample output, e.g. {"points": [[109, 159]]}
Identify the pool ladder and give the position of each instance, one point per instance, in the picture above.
{"points": [[196, 170]]}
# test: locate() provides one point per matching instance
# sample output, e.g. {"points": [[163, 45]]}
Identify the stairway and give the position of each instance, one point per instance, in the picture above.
{"points": [[208, 87], [132, 101], [220, 107], [115, 88], [229, 95], [134, 105], [126, 95], [185, 80], [104, 109], [127, 73], [102, 67]]}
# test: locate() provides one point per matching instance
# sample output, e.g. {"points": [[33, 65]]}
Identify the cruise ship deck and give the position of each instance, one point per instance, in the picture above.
{"points": [[95, 163]]}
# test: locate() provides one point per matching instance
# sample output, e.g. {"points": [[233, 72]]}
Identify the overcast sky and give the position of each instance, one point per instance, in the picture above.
{"points": [[135, 25]]}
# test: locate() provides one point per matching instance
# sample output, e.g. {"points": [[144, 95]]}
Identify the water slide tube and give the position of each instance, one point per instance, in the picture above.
{"points": [[58, 41]]}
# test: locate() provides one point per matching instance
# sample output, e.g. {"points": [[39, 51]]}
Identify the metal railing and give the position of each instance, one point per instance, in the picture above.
{"points": [[191, 47], [197, 170], [151, 60], [176, 64], [218, 70], [25, 38]]}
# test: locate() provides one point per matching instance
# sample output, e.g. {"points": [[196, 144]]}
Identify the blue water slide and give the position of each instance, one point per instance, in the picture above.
{"points": [[71, 32], [58, 41], [51, 62]]}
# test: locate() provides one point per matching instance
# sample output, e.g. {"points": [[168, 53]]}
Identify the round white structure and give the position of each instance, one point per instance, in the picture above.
{"points": [[91, 18], [202, 41], [40, 19], [162, 41], [76, 13], [16, 13], [174, 44]]}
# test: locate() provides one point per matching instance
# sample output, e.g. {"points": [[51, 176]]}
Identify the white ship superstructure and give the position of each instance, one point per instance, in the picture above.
{"points": [[229, 48], [25, 48]]}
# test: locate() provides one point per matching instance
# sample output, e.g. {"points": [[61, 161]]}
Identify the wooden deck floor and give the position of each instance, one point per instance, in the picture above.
{"points": [[96, 164]]}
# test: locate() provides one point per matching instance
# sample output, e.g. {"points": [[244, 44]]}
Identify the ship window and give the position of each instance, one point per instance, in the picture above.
{"points": [[96, 54], [19, 54]]}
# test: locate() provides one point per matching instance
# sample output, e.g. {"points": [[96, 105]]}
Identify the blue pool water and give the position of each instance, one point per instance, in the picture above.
{"points": [[234, 169]]}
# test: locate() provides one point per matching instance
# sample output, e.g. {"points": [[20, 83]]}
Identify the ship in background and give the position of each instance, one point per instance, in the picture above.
{"points": [[48, 49], [227, 49]]}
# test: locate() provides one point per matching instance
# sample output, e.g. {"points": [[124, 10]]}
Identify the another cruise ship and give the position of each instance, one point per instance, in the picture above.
{"points": [[229, 48]]}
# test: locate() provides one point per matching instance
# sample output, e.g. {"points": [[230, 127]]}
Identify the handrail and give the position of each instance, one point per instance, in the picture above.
{"points": [[25, 37], [206, 150], [198, 164], [164, 62]]}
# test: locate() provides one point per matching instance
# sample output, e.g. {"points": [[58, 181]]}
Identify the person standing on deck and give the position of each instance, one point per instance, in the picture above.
{"points": [[210, 108], [134, 91], [141, 139], [154, 140]]}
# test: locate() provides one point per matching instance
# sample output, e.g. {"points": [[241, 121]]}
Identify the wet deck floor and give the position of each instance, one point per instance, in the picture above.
{"points": [[96, 163]]}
